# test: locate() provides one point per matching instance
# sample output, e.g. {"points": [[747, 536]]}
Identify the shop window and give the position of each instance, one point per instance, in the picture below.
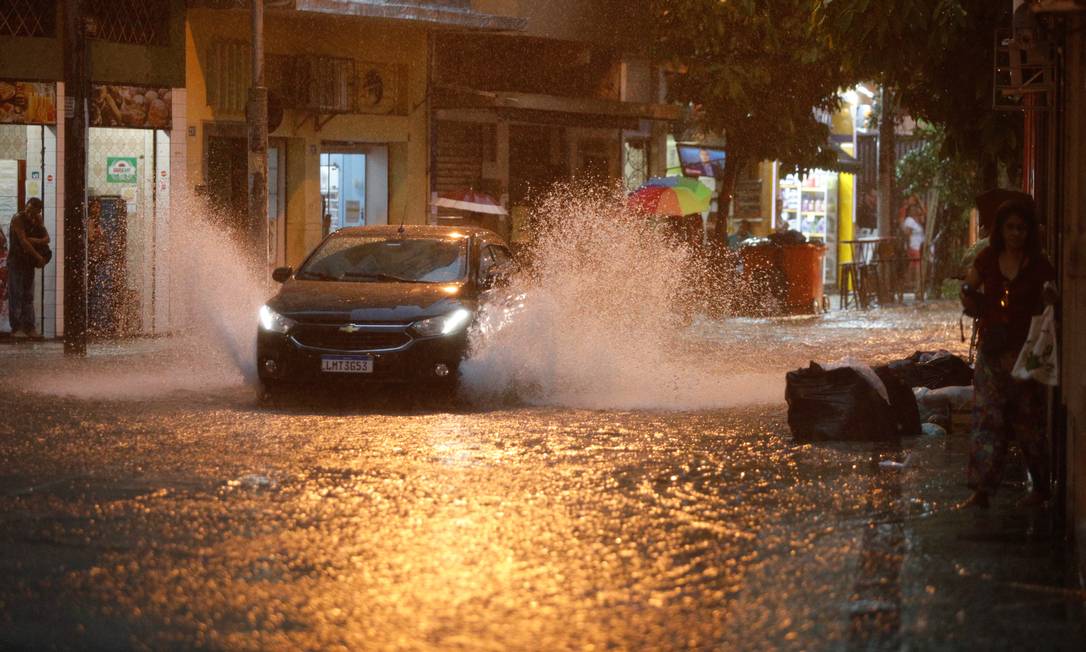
{"points": [[28, 18], [135, 22]]}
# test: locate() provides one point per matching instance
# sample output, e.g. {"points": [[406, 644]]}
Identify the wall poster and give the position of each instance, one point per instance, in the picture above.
{"points": [[24, 102], [137, 107]]}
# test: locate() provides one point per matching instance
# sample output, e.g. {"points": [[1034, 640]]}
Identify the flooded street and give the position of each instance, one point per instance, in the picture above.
{"points": [[180, 515]]}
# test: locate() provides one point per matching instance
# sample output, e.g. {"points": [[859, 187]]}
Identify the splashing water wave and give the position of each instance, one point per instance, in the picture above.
{"points": [[215, 294], [600, 319]]}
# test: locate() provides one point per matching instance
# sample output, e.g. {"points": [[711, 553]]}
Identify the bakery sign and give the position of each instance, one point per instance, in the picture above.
{"points": [[137, 107], [121, 169]]}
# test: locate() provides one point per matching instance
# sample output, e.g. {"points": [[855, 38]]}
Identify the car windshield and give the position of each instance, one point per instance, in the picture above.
{"points": [[365, 258]]}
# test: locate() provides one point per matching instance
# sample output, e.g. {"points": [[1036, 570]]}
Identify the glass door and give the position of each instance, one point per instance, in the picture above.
{"points": [[343, 189]]}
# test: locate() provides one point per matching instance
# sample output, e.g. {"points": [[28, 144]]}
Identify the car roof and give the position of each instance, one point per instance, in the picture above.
{"points": [[420, 231]]}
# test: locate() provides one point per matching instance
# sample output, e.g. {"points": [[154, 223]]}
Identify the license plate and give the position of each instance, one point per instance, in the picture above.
{"points": [[347, 364]]}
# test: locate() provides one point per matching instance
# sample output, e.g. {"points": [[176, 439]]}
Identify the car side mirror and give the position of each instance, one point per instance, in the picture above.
{"points": [[282, 274]]}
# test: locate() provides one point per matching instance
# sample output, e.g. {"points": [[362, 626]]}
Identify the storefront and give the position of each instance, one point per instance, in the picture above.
{"points": [[808, 204], [128, 193], [28, 168]]}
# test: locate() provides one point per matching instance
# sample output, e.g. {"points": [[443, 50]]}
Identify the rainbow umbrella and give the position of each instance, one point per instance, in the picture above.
{"points": [[699, 189], [671, 196]]}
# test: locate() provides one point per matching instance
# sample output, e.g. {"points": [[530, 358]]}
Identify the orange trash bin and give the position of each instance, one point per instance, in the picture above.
{"points": [[802, 267]]}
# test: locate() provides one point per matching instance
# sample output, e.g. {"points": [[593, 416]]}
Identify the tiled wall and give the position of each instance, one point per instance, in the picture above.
{"points": [[136, 143], [177, 194]]}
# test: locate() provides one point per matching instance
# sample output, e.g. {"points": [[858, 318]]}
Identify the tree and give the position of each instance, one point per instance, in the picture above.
{"points": [[936, 56], [754, 71], [950, 186]]}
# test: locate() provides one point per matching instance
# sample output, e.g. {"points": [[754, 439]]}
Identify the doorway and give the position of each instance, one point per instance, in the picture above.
{"points": [[354, 186], [228, 192], [28, 169]]}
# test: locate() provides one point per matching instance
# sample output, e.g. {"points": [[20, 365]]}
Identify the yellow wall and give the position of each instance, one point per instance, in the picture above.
{"points": [[846, 215], [365, 41]]}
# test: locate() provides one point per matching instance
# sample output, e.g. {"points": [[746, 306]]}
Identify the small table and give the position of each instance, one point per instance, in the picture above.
{"points": [[862, 273]]}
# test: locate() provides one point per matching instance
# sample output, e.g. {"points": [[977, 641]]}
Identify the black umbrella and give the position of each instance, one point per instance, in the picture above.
{"points": [[988, 203]]}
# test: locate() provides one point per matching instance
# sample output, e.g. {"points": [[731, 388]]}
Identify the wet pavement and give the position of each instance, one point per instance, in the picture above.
{"points": [[148, 501]]}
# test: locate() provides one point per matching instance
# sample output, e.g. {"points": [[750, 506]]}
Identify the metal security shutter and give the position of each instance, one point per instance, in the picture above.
{"points": [[459, 156]]}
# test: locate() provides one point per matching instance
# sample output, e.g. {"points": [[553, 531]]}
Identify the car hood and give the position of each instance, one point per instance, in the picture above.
{"points": [[368, 302]]}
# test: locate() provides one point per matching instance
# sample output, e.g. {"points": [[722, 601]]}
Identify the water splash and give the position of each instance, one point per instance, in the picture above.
{"points": [[217, 289], [600, 318], [208, 342]]}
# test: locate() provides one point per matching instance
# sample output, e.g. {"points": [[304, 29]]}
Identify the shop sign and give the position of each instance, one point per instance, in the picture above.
{"points": [[137, 107], [121, 169], [27, 103]]}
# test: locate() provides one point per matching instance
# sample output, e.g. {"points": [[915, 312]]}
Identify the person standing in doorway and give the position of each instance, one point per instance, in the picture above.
{"points": [[28, 237], [1006, 286]]}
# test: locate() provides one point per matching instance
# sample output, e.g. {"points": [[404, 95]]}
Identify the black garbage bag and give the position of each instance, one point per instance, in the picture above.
{"points": [[903, 407], [789, 237], [837, 404], [935, 370]]}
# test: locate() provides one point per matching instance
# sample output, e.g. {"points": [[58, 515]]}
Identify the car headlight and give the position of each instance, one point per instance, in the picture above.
{"points": [[273, 322], [448, 324]]}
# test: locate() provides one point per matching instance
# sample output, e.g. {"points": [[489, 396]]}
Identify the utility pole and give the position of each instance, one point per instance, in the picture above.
{"points": [[258, 140], [887, 162], [75, 179]]}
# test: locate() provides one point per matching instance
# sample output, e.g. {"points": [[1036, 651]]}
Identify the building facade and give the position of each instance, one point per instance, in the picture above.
{"points": [[135, 149], [1048, 83], [349, 113], [562, 99]]}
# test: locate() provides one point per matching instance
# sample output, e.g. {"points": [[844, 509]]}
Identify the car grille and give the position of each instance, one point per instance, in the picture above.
{"points": [[329, 336]]}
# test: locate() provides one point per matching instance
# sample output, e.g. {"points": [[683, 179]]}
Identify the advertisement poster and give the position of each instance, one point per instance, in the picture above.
{"points": [[121, 169], [138, 107], [699, 161], [27, 103]]}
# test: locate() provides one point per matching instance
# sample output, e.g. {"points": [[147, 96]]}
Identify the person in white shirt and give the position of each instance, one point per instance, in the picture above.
{"points": [[913, 217]]}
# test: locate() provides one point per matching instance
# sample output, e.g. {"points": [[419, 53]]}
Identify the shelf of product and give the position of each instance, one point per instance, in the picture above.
{"points": [[808, 204]]}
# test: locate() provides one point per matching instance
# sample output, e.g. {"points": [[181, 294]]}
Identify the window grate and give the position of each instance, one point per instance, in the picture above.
{"points": [[28, 18], [135, 22]]}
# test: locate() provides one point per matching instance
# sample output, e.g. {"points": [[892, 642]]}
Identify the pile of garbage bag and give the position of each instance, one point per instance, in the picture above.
{"points": [[855, 402], [934, 370]]}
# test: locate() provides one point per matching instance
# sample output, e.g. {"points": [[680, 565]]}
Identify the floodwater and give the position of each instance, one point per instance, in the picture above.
{"points": [[636, 489]]}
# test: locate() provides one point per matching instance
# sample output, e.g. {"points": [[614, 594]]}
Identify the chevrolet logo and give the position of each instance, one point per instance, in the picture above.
{"points": [[350, 329]]}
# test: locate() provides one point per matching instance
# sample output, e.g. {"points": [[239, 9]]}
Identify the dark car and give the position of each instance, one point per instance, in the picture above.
{"points": [[380, 304]]}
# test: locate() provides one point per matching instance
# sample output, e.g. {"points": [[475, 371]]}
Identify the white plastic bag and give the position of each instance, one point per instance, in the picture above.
{"points": [[1038, 359]]}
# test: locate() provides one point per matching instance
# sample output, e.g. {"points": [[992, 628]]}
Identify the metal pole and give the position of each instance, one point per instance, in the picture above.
{"points": [[258, 139], [75, 179]]}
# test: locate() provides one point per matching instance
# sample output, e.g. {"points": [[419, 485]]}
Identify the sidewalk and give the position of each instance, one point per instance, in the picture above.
{"points": [[997, 579]]}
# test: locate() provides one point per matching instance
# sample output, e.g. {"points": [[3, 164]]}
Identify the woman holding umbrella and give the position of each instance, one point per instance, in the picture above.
{"points": [[1004, 289]]}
